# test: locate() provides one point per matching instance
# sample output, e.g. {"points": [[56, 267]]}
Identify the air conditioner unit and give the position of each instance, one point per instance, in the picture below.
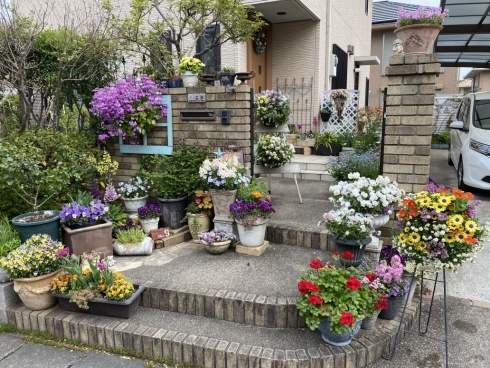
{"points": [[332, 70]]}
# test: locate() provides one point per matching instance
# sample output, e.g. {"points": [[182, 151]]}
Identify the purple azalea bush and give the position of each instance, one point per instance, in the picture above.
{"points": [[423, 15], [130, 107], [78, 214], [149, 211], [248, 212], [391, 276], [216, 236]]}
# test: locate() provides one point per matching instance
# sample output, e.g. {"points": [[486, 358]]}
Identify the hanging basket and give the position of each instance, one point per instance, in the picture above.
{"points": [[339, 106]]}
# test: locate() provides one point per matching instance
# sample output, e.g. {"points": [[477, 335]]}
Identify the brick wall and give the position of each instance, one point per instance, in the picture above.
{"points": [[209, 134]]}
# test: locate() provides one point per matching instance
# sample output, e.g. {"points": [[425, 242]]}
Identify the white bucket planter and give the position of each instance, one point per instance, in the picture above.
{"points": [[150, 224], [190, 79], [252, 236], [137, 249], [132, 205]]}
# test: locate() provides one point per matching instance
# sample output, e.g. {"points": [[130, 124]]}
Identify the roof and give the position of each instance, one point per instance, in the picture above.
{"points": [[465, 83], [387, 11], [474, 72]]}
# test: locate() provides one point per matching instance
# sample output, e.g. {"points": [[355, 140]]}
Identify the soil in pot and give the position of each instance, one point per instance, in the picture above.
{"points": [[26, 229]]}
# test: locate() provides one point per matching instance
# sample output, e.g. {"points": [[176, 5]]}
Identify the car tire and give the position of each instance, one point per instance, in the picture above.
{"points": [[461, 184], [449, 160]]}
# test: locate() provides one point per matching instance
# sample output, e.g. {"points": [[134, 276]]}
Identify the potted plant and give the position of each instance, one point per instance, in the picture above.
{"points": [[199, 212], [223, 175], [130, 108], [32, 266], [374, 283], [305, 139], [273, 108], [53, 163], [95, 290], [366, 164], [149, 216], [334, 300], [396, 287], [190, 68], [251, 212], [273, 151], [173, 179], [347, 140], [217, 241], [327, 143], [9, 240], [339, 98], [227, 75], [423, 24], [134, 193], [350, 231], [132, 241], [326, 111]]}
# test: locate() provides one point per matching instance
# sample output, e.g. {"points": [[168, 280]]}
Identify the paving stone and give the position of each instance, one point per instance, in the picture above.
{"points": [[231, 355], [187, 348], [209, 357], [156, 340], [220, 354]]}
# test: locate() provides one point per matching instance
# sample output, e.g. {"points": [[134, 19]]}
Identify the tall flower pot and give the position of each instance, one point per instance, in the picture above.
{"points": [[221, 203], [252, 236], [50, 227], [218, 247], [173, 211], [132, 205], [198, 223], [338, 339], [190, 79], [356, 248], [35, 292], [394, 305], [369, 322], [150, 224], [418, 38], [97, 238]]}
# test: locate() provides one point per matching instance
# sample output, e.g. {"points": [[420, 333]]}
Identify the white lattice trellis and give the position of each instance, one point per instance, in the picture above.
{"points": [[348, 121]]}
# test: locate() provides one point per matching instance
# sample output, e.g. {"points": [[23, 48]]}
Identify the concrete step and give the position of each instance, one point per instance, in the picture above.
{"points": [[210, 343]]}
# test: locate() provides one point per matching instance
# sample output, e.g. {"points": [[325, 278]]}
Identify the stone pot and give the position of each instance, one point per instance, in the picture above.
{"points": [[35, 292], [338, 339], [394, 305], [198, 223], [355, 248], [221, 204], [309, 142], [218, 247], [368, 323], [50, 227], [137, 249], [252, 236], [418, 38], [149, 224], [189, 79], [97, 238], [132, 205], [380, 220]]}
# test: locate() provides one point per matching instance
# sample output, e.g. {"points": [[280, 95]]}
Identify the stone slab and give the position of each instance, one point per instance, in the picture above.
{"points": [[8, 297], [181, 237], [252, 251]]}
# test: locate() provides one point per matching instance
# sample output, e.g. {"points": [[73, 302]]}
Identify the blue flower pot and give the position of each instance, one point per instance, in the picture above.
{"points": [[338, 339], [349, 245]]}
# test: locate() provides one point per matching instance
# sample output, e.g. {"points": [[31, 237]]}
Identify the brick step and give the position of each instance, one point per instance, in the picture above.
{"points": [[211, 343]]}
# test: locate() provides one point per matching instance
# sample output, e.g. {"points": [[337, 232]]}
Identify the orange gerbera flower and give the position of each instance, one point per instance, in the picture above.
{"points": [[446, 191], [460, 194], [470, 240], [402, 213], [409, 202]]}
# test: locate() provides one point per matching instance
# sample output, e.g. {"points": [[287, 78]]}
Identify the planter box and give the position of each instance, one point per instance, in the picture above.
{"points": [[305, 142], [142, 249], [97, 238], [105, 307]]}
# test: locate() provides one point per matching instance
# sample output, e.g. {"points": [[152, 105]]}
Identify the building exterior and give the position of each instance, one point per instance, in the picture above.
{"points": [[385, 14], [480, 78]]}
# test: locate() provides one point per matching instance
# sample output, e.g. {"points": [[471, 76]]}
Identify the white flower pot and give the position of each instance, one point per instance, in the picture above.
{"points": [[189, 79], [380, 220], [132, 205], [150, 224], [252, 236], [137, 249]]}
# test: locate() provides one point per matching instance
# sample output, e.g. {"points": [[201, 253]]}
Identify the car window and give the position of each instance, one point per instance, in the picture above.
{"points": [[459, 113], [465, 114], [482, 114]]}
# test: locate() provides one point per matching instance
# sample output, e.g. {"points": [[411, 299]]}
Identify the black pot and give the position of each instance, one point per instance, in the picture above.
{"points": [[173, 211], [227, 79], [394, 305], [164, 82], [325, 116], [174, 83], [323, 150], [349, 245]]}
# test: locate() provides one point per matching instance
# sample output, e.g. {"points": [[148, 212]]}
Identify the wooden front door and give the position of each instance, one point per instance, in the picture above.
{"points": [[261, 62]]}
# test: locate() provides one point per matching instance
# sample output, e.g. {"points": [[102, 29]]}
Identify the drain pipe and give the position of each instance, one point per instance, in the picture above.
{"points": [[328, 49]]}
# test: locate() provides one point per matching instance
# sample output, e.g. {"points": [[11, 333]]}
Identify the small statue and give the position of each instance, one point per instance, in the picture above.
{"points": [[397, 47]]}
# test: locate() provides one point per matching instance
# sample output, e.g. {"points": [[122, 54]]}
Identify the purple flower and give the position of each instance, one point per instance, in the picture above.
{"points": [[149, 211], [101, 266], [110, 194], [63, 253]]}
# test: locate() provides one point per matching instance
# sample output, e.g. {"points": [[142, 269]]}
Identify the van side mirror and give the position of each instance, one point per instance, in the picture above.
{"points": [[457, 125]]}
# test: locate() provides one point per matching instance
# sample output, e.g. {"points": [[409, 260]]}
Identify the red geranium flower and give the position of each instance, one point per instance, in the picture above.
{"points": [[382, 302], [316, 264], [305, 286], [347, 319], [353, 283], [371, 277], [315, 299], [347, 255], [335, 253]]}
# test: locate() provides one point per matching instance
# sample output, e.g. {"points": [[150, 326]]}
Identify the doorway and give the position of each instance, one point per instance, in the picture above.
{"points": [[259, 59]]}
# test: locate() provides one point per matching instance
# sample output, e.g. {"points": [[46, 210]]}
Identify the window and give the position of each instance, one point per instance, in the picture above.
{"points": [[465, 111], [340, 81], [211, 58], [158, 55], [388, 39]]}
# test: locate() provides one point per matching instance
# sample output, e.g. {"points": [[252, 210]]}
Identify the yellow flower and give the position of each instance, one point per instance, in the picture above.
{"points": [[413, 238], [471, 226], [439, 207], [455, 222], [449, 238], [420, 246]]}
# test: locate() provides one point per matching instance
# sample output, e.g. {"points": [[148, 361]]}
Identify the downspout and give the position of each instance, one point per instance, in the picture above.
{"points": [[328, 17]]}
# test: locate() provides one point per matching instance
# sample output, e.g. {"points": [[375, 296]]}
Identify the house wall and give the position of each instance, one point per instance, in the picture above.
{"points": [[482, 81]]}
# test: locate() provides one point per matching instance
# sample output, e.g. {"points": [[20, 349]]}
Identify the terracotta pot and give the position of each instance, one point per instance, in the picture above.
{"points": [[418, 38], [198, 223], [97, 238], [35, 292], [221, 203]]}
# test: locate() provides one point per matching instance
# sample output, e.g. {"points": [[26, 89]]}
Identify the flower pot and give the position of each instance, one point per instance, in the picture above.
{"points": [[394, 305], [325, 116], [349, 245], [35, 292], [198, 223], [221, 203], [190, 79], [218, 247], [309, 142], [97, 238], [149, 224], [105, 307], [252, 236], [174, 83], [338, 339], [173, 211], [227, 79], [380, 220], [28, 229], [412, 282], [323, 150], [132, 205], [418, 38], [339, 106], [368, 323], [137, 249]]}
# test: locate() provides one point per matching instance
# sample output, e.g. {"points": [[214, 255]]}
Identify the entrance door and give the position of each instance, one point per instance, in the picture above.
{"points": [[259, 59]]}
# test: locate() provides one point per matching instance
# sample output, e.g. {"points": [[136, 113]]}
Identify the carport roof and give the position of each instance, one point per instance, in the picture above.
{"points": [[465, 39]]}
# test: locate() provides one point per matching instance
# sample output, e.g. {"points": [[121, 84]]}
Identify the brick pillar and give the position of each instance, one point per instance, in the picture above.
{"points": [[409, 108]]}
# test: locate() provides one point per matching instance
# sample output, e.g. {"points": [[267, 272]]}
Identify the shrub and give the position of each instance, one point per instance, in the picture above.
{"points": [[9, 237], [366, 164]]}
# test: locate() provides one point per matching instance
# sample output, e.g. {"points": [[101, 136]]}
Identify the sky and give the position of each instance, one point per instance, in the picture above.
{"points": [[462, 71]]}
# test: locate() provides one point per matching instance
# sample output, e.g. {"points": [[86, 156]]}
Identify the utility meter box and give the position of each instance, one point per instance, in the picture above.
{"points": [[332, 70]]}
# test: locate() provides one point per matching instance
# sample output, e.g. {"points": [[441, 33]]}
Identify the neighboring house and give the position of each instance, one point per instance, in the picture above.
{"points": [[385, 14], [465, 86], [480, 78]]}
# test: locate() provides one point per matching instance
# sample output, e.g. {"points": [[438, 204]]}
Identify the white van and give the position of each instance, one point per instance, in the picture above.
{"points": [[469, 151]]}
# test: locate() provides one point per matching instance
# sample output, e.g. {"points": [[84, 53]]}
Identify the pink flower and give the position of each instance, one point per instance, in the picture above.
{"points": [[63, 253], [101, 266]]}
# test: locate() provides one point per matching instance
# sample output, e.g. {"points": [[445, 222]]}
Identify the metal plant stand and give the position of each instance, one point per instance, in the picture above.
{"points": [[423, 325]]}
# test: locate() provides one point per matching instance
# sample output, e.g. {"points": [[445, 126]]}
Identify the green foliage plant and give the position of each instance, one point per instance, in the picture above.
{"points": [[131, 236], [328, 139], [366, 164], [441, 138], [9, 237], [227, 69]]}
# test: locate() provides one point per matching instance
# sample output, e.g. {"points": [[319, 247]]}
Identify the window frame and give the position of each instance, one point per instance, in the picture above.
{"points": [[216, 50]]}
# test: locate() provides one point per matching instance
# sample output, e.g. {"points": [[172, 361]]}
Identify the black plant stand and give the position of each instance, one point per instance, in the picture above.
{"points": [[423, 325]]}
